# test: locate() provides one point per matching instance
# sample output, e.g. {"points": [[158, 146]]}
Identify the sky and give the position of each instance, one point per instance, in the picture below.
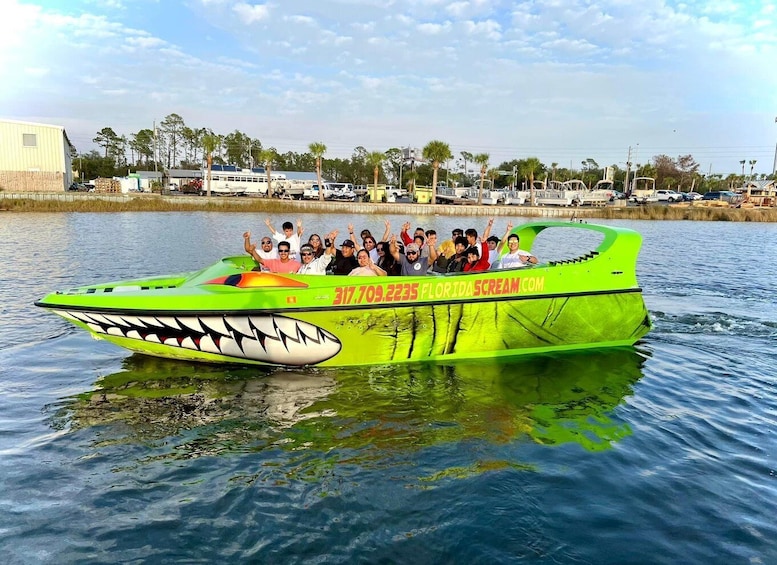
{"points": [[561, 80]]}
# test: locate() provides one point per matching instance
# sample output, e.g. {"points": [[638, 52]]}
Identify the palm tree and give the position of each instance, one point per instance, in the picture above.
{"points": [[375, 160], [482, 160], [554, 166], [437, 152], [209, 144], [529, 167], [317, 149], [467, 156], [266, 157]]}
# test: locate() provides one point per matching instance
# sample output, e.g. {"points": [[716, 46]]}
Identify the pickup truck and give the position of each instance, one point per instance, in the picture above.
{"points": [[312, 193]]}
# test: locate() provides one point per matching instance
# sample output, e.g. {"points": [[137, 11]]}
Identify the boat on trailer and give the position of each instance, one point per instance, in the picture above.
{"points": [[230, 313]]}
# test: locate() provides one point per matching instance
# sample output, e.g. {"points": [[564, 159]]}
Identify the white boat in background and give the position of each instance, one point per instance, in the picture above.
{"points": [[643, 190], [493, 197], [599, 195], [517, 197], [558, 194]]}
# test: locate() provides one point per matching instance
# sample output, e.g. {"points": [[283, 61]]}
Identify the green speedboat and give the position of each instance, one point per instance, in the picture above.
{"points": [[228, 313]]}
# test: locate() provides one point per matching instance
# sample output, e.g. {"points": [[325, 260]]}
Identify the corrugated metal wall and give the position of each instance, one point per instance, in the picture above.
{"points": [[48, 155]]}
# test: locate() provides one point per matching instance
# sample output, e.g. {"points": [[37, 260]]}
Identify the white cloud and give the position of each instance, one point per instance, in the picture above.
{"points": [[509, 78], [251, 13], [433, 29]]}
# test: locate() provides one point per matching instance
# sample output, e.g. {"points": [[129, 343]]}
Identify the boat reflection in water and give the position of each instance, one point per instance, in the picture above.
{"points": [[364, 415]]}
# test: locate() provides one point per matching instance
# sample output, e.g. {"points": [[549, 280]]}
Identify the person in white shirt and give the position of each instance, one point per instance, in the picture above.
{"points": [[288, 235], [515, 257], [366, 267], [266, 249], [312, 265]]}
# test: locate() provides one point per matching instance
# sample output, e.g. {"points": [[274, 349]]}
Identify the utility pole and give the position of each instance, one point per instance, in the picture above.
{"points": [[626, 189], [156, 172]]}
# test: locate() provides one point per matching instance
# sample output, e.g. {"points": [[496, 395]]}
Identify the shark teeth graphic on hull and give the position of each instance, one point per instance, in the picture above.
{"points": [[268, 338]]}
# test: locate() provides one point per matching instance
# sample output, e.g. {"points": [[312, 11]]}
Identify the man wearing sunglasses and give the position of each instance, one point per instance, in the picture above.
{"points": [[312, 265], [411, 262], [284, 263]]}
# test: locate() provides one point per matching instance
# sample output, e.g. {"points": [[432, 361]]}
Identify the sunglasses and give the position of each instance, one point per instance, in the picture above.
{"points": [[266, 242], [412, 253], [283, 251], [306, 254]]}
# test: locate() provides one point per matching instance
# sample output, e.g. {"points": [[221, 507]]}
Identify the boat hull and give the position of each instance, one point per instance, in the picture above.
{"points": [[378, 335], [228, 313]]}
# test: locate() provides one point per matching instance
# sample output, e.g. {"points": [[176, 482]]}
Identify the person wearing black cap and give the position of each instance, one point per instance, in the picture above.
{"points": [[345, 260]]}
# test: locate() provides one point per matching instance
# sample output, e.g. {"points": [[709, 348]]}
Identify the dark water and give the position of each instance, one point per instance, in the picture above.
{"points": [[660, 454]]}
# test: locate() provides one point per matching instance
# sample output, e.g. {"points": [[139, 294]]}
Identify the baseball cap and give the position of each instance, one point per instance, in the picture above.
{"points": [[411, 247], [493, 238], [348, 243]]}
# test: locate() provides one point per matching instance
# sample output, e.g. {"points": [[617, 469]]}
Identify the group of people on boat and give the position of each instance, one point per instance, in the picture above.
{"points": [[465, 251]]}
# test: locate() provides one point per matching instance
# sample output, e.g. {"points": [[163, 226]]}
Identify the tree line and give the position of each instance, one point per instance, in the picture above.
{"points": [[175, 145]]}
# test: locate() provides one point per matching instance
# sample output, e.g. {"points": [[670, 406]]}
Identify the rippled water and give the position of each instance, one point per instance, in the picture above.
{"points": [[660, 454]]}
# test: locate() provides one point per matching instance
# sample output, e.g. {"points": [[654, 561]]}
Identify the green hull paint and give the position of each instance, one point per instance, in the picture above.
{"points": [[227, 313]]}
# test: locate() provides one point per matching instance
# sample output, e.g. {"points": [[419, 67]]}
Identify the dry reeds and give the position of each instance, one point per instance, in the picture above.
{"points": [[67, 202]]}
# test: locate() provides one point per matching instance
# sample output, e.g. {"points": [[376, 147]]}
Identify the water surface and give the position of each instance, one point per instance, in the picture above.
{"points": [[659, 454]]}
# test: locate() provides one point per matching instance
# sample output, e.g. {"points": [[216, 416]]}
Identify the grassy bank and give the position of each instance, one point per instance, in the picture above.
{"points": [[55, 202]]}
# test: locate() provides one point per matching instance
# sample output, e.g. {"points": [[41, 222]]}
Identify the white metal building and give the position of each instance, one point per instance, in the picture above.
{"points": [[34, 157]]}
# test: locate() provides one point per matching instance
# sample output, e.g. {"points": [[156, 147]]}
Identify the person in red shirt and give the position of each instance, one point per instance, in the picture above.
{"points": [[477, 260]]}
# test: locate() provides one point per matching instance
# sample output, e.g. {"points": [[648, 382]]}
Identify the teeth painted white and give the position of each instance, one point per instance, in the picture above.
{"points": [[254, 350], [169, 321], [188, 343], [133, 321], [66, 315], [100, 318], [240, 323], [152, 337], [116, 320], [216, 323], [150, 322], [264, 324], [192, 323], [207, 345], [230, 347], [113, 330], [299, 354], [133, 334], [171, 341], [95, 328], [328, 335], [288, 327]]}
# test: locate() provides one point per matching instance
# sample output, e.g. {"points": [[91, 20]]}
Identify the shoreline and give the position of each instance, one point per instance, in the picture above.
{"points": [[97, 202]]}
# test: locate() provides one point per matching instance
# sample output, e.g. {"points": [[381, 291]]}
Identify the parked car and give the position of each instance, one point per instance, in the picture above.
{"points": [[723, 195], [77, 186], [668, 196], [691, 196]]}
